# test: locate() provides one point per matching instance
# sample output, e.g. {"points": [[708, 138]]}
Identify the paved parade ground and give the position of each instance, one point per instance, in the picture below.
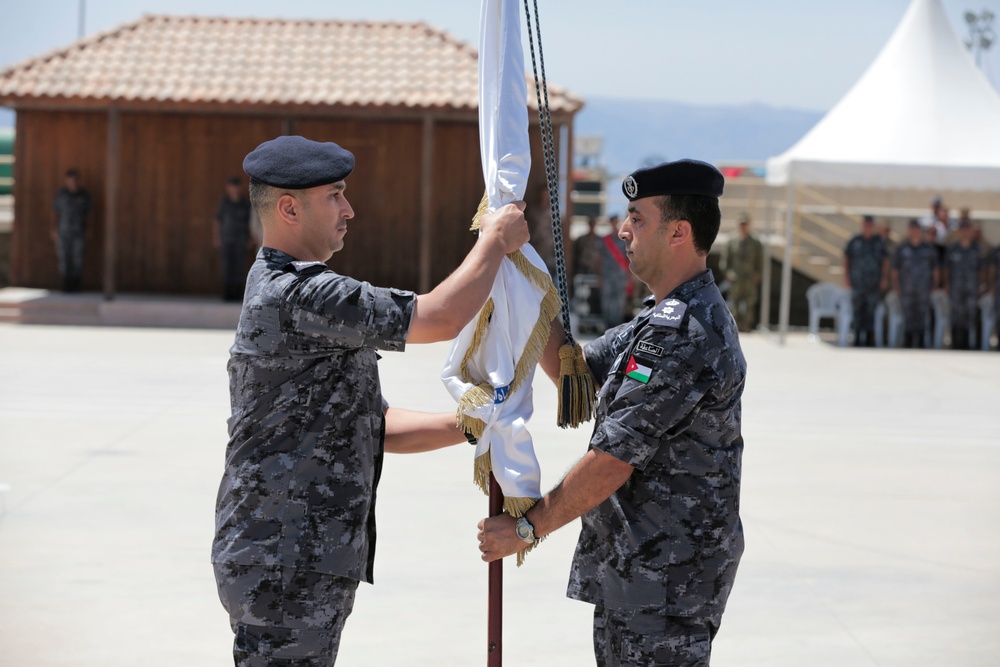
{"points": [[871, 504]]}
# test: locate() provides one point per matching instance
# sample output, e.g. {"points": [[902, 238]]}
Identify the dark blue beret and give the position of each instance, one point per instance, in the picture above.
{"points": [[297, 163], [682, 177]]}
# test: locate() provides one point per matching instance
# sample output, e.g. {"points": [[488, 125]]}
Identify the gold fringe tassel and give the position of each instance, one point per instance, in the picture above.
{"points": [[481, 469], [481, 210], [577, 392]]}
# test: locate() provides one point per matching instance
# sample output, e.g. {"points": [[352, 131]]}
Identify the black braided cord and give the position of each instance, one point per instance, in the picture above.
{"points": [[551, 175]]}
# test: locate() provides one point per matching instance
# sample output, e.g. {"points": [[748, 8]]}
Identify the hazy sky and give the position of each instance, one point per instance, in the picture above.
{"points": [[791, 53]]}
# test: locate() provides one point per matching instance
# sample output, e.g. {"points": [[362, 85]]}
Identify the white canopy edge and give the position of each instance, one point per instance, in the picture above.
{"points": [[921, 116]]}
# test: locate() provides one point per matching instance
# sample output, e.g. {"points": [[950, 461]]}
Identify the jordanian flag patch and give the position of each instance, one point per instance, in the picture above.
{"points": [[637, 371]]}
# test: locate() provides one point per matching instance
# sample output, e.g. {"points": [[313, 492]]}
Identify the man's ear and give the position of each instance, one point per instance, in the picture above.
{"points": [[288, 209], [682, 232]]}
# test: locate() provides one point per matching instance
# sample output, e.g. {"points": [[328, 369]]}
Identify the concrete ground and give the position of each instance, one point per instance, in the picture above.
{"points": [[871, 503]]}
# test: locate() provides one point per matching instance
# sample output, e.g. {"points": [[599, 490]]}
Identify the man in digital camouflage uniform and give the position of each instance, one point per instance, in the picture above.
{"points": [[69, 230], [659, 488], [295, 517], [616, 279], [963, 276], [993, 285], [743, 264], [232, 237], [914, 276], [866, 274]]}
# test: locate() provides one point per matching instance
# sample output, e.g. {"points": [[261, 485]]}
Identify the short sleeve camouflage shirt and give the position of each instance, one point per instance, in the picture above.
{"points": [[670, 405], [307, 427]]}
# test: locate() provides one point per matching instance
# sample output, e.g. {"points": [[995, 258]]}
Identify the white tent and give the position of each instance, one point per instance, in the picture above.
{"points": [[922, 116]]}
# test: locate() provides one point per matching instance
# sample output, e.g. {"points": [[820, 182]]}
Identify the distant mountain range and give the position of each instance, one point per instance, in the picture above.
{"points": [[638, 132]]}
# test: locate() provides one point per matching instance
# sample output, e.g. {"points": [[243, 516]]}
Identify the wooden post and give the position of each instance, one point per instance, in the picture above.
{"points": [[494, 633], [112, 172], [786, 267], [426, 193]]}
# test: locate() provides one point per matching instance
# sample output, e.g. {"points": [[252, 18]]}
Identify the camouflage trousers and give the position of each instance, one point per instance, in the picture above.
{"points": [[283, 616], [234, 269], [632, 638], [743, 296], [916, 311], [864, 301], [964, 307], [69, 252]]}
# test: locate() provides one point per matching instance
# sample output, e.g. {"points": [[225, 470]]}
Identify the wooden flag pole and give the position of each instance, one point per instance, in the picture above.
{"points": [[494, 632]]}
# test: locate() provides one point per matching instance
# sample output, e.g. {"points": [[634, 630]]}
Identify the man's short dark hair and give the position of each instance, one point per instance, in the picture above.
{"points": [[262, 196], [702, 212], [73, 172], [234, 180]]}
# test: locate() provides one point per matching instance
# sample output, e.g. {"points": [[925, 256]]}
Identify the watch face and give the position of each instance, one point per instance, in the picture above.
{"points": [[522, 530]]}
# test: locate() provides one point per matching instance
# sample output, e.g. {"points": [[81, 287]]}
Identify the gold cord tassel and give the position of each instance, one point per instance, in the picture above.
{"points": [[577, 392]]}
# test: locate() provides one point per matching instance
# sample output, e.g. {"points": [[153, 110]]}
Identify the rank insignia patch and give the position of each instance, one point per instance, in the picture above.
{"points": [[669, 313]]}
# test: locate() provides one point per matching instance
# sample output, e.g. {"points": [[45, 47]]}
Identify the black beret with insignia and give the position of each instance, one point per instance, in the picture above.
{"points": [[682, 177], [297, 163]]}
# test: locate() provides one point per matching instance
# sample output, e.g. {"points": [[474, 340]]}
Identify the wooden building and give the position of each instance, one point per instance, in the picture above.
{"points": [[158, 113]]}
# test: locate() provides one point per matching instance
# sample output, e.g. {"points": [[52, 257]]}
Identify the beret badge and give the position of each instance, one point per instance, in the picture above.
{"points": [[631, 187]]}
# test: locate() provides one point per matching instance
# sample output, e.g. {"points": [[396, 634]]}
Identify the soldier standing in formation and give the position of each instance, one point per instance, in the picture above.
{"points": [[587, 269], [743, 264], [962, 279], [232, 236], [616, 279], [658, 490], [994, 286], [915, 274], [295, 516], [69, 230], [866, 273]]}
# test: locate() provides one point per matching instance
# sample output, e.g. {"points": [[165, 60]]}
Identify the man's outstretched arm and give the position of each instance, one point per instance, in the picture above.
{"points": [[412, 432], [587, 485]]}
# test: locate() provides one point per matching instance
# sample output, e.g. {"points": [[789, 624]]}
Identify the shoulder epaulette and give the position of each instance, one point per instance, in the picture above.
{"points": [[307, 268], [669, 313]]}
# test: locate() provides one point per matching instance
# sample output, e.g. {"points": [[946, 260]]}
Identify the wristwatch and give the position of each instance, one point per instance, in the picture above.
{"points": [[525, 530]]}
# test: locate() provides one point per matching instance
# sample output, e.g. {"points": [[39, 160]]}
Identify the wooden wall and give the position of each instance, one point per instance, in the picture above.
{"points": [[46, 144], [173, 168]]}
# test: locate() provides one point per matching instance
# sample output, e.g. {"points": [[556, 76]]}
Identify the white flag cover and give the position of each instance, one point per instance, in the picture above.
{"points": [[493, 359]]}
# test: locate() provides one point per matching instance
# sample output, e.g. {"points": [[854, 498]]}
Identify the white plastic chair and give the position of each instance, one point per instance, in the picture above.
{"points": [[988, 318], [889, 312], [942, 316], [829, 300]]}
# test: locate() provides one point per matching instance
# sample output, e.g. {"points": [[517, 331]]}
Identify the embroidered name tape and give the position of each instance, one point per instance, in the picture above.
{"points": [[649, 348]]}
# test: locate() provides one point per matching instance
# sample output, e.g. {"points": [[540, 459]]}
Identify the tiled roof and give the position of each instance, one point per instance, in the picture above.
{"points": [[227, 61]]}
